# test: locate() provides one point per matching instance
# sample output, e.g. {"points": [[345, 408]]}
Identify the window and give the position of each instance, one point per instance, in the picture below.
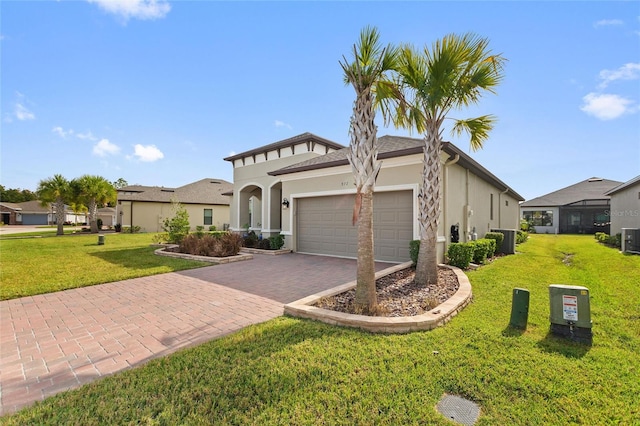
{"points": [[208, 216], [539, 217]]}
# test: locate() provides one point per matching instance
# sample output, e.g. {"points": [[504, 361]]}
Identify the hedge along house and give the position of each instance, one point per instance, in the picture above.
{"points": [[310, 202], [581, 208], [147, 206]]}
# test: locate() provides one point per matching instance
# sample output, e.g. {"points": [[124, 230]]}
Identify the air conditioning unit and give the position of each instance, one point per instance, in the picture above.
{"points": [[509, 242], [631, 240]]}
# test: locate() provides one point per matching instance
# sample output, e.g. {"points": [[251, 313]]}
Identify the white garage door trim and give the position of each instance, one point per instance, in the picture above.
{"points": [[324, 225]]}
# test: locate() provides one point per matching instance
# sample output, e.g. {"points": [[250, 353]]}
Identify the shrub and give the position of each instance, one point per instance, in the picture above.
{"points": [[161, 238], [129, 229], [600, 236], [492, 247], [223, 245], [264, 244], [117, 227], [481, 249], [498, 236], [521, 237], [212, 228], [250, 240], [414, 250], [276, 242], [460, 254], [177, 226], [99, 223], [199, 231]]}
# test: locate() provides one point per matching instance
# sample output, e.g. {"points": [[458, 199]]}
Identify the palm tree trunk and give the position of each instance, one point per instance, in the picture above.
{"points": [[429, 199], [363, 155], [60, 216], [366, 297], [93, 213]]}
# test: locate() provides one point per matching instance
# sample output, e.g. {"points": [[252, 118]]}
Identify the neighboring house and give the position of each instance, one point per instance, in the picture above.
{"points": [[582, 208], [148, 206], [33, 213], [625, 206], [10, 213], [108, 216], [303, 189]]}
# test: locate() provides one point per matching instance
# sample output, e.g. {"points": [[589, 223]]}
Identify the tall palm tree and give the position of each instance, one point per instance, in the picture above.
{"points": [[93, 191], [55, 190], [367, 73], [449, 76]]}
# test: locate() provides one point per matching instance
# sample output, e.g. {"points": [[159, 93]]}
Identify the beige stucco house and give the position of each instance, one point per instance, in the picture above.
{"points": [[303, 189], [148, 206], [625, 206]]}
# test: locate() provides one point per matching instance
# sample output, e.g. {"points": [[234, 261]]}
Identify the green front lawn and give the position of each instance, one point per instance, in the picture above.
{"points": [[291, 371], [30, 266]]}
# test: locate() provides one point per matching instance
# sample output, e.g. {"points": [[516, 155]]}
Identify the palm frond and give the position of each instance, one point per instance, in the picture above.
{"points": [[477, 128]]}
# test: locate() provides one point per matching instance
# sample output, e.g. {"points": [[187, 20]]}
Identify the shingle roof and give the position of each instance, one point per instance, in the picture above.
{"points": [[589, 189], [33, 206], [12, 206], [205, 191], [295, 140], [624, 185], [397, 146]]}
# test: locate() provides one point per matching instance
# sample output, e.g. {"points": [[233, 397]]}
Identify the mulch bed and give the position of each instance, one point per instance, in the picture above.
{"points": [[398, 295]]}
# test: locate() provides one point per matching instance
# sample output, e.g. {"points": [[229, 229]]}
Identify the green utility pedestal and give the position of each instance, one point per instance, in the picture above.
{"points": [[570, 312], [519, 308]]}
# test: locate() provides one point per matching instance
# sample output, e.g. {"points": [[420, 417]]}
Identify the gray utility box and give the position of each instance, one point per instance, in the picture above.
{"points": [[570, 312], [509, 243], [631, 240]]}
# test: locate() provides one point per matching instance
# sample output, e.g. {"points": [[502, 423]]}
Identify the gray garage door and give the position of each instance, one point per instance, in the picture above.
{"points": [[324, 225], [34, 219]]}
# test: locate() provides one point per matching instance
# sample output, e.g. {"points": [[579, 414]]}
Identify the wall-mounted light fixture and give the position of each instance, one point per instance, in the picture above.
{"points": [[285, 203]]}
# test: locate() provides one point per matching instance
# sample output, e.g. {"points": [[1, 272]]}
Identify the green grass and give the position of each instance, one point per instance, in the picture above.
{"points": [[30, 266], [291, 371]]}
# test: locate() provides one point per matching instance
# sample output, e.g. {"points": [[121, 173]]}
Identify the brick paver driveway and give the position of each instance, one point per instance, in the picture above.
{"points": [[58, 341]]}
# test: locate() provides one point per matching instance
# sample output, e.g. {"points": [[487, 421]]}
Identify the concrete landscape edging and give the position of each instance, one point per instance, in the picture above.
{"points": [[217, 260], [436, 317]]}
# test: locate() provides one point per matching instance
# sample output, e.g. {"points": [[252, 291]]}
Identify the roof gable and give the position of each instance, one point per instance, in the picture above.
{"points": [[589, 189], [309, 138], [625, 185]]}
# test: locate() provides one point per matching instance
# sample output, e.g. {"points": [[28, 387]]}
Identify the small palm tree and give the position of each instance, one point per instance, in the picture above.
{"points": [[367, 73], [56, 191], [449, 76], [93, 191]]}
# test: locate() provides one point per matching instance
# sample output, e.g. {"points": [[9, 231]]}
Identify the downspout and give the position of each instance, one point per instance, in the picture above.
{"points": [[467, 210], [445, 190], [500, 207]]}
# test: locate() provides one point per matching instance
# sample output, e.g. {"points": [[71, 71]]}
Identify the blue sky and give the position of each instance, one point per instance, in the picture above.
{"points": [[158, 93]]}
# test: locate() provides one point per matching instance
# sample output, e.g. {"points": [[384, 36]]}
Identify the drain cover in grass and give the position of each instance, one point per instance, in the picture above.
{"points": [[458, 409]]}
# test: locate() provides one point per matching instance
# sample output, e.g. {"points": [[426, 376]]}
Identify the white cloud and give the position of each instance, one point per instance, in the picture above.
{"points": [[608, 23], [149, 153], [138, 9], [104, 148], [630, 71], [279, 123], [605, 106], [22, 113], [86, 136], [62, 132]]}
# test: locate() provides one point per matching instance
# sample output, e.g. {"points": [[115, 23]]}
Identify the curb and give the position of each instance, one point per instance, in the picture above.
{"points": [[436, 317]]}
